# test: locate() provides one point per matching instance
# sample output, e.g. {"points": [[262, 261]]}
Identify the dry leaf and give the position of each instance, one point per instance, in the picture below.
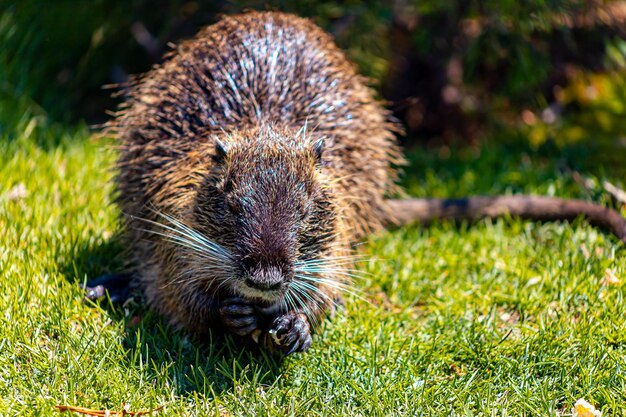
{"points": [[610, 278], [456, 369]]}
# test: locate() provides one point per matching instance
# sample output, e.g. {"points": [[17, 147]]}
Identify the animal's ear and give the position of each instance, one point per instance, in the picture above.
{"points": [[221, 149], [318, 150]]}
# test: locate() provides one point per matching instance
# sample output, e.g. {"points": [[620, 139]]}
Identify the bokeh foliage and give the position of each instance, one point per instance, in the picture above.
{"points": [[450, 69]]}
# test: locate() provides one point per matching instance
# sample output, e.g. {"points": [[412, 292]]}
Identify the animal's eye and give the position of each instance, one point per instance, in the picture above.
{"points": [[234, 206], [228, 186]]}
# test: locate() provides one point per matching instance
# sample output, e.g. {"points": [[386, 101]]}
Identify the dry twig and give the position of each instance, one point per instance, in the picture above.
{"points": [[105, 413]]}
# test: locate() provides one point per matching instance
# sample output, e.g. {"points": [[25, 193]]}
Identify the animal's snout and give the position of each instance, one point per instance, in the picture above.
{"points": [[260, 276], [263, 284], [265, 279]]}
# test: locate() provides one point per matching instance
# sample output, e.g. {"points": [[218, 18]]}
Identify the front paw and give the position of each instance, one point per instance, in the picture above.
{"points": [[238, 316], [289, 333]]}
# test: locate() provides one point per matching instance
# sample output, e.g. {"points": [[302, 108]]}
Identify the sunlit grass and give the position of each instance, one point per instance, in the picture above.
{"points": [[497, 318]]}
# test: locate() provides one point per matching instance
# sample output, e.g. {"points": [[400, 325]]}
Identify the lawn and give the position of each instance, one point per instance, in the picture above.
{"points": [[502, 318]]}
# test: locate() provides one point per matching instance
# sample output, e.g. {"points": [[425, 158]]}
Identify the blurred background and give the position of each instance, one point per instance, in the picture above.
{"points": [[454, 72]]}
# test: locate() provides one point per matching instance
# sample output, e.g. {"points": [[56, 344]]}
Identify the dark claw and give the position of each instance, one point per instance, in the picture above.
{"points": [[297, 332], [292, 349], [280, 328], [291, 333], [307, 344]]}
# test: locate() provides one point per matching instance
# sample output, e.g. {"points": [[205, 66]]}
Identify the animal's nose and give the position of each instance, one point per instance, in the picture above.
{"points": [[265, 279], [262, 285]]}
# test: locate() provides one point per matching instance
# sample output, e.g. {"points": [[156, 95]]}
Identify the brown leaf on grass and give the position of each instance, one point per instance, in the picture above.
{"points": [[102, 413], [457, 369], [610, 278]]}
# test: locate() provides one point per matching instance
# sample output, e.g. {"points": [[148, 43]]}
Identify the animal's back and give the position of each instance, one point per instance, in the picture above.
{"points": [[246, 71]]}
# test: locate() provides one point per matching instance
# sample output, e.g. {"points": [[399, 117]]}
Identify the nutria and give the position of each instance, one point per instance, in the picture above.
{"points": [[250, 161]]}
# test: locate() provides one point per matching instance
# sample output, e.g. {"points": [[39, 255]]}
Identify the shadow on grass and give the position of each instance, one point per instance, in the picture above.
{"points": [[209, 366]]}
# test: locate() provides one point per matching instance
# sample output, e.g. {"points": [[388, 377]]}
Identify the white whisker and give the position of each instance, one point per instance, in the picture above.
{"points": [[210, 261], [342, 287]]}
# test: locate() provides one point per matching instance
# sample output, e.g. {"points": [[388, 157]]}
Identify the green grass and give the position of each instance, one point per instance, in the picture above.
{"points": [[498, 318], [503, 318]]}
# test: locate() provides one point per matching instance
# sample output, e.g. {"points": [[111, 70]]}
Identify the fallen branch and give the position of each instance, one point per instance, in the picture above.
{"points": [[105, 413]]}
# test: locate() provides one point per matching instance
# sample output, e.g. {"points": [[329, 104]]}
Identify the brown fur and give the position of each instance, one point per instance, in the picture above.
{"points": [[259, 135], [268, 85]]}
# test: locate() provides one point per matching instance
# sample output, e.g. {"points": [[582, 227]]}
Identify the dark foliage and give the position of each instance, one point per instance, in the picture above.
{"points": [[450, 69]]}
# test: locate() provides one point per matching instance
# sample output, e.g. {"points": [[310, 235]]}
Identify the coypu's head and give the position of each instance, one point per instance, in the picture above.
{"points": [[266, 205]]}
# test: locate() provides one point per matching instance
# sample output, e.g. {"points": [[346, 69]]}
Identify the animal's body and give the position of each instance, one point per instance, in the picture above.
{"points": [[250, 161], [260, 137]]}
